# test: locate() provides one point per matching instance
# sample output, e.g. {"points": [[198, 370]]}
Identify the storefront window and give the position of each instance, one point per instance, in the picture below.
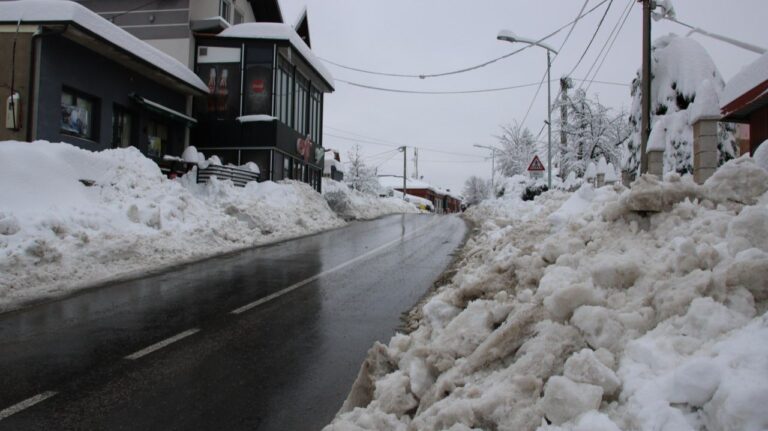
{"points": [[157, 138], [225, 9], [77, 114], [315, 114], [286, 167], [258, 80]]}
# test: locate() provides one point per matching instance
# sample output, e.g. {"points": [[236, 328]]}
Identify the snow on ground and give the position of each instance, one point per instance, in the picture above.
{"points": [[57, 234], [352, 204], [601, 310]]}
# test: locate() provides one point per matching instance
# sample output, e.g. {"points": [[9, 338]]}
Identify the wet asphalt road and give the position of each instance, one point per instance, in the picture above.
{"points": [[284, 364]]}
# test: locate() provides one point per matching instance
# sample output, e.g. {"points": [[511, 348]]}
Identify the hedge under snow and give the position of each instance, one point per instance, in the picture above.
{"points": [[600, 310]]}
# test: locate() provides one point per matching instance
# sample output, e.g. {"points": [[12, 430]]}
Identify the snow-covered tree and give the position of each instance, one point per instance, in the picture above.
{"points": [[685, 83], [592, 131], [476, 189], [359, 176], [518, 146]]}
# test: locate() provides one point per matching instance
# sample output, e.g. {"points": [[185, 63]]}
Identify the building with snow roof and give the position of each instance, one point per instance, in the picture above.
{"points": [[266, 100], [443, 201], [171, 25], [78, 78], [745, 100]]}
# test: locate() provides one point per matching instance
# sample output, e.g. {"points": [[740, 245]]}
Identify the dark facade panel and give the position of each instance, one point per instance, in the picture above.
{"points": [[266, 10], [67, 65]]}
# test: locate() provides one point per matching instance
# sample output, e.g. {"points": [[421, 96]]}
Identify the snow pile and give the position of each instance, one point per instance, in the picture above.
{"points": [[56, 233], [578, 312], [352, 204]]}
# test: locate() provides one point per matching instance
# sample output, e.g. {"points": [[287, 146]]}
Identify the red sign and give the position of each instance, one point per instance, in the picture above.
{"points": [[536, 165], [257, 85]]}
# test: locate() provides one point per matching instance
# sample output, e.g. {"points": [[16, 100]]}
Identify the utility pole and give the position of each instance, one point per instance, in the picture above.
{"points": [[416, 163], [565, 85], [645, 123], [405, 168]]}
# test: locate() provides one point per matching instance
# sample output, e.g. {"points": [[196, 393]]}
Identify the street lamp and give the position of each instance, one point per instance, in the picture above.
{"points": [[508, 36], [493, 157]]}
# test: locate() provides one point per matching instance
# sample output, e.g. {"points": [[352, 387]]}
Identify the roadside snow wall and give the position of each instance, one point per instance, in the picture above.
{"points": [[352, 204], [57, 234], [600, 310]]}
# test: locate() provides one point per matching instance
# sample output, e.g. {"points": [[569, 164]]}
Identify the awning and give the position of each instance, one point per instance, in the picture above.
{"points": [[164, 110]]}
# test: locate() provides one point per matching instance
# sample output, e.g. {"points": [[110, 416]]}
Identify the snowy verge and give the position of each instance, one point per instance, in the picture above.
{"points": [[352, 204], [58, 234], [604, 309]]}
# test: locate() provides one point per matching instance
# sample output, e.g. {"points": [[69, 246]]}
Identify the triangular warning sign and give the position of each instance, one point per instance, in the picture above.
{"points": [[536, 165]]}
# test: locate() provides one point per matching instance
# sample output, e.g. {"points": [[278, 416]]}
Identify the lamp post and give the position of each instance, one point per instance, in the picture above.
{"points": [[508, 36], [493, 160]]}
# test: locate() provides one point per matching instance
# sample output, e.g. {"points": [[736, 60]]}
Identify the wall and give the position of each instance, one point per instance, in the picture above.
{"points": [[22, 71], [758, 128], [180, 49], [64, 63]]}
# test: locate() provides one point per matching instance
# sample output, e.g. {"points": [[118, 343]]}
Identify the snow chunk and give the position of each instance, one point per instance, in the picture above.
{"points": [[740, 180], [585, 367], [570, 297], [392, 394], [190, 154], [761, 155], [565, 399]]}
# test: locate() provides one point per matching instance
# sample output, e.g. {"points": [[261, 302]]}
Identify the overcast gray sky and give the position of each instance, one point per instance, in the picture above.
{"points": [[433, 36]]}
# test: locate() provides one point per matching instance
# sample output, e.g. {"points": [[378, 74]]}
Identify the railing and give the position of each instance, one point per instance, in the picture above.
{"points": [[240, 177]]}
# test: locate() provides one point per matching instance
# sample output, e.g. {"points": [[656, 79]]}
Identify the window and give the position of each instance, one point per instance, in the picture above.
{"points": [[284, 91], [157, 137], [239, 18], [225, 9], [122, 128], [78, 114], [315, 114], [286, 167], [302, 94]]}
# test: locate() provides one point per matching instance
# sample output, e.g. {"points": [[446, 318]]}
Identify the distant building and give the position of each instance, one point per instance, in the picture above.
{"points": [[443, 201], [75, 77], [745, 100], [332, 166]]}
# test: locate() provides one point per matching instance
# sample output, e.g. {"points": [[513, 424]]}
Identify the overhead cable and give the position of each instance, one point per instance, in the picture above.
{"points": [[471, 68]]}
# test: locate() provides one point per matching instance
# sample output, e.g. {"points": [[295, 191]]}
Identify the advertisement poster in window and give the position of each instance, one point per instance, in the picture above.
{"points": [[224, 98], [258, 91], [75, 120]]}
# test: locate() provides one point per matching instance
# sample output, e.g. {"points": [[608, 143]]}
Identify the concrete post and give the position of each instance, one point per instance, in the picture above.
{"points": [[600, 180], [704, 148], [656, 162]]}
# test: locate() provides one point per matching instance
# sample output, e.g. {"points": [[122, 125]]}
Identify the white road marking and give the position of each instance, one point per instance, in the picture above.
{"points": [[293, 287], [157, 346], [29, 402]]}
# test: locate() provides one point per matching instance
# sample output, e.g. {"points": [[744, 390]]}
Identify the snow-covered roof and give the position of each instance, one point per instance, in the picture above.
{"points": [[278, 31], [395, 182], [58, 11], [750, 77], [330, 161]]}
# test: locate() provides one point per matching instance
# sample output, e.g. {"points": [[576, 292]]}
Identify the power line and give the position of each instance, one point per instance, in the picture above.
{"points": [[471, 68], [594, 35], [544, 76], [427, 149], [600, 66], [608, 40], [396, 90]]}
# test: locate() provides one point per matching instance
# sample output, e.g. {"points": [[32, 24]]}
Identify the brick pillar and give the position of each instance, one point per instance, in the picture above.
{"points": [[704, 148], [656, 162]]}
